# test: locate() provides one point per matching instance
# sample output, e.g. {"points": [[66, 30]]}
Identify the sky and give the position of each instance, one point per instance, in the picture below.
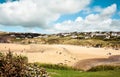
{"points": [[59, 16]]}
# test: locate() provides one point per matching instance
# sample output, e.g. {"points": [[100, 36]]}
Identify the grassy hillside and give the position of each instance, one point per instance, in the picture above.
{"points": [[67, 40], [113, 42]]}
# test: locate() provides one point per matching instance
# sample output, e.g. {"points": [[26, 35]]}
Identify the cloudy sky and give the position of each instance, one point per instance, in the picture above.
{"points": [[54, 16]]}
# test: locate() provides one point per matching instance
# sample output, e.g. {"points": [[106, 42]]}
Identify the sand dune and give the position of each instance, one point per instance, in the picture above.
{"points": [[57, 54]]}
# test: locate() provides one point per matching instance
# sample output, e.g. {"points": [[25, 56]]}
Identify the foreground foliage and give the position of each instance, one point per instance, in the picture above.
{"points": [[17, 66]]}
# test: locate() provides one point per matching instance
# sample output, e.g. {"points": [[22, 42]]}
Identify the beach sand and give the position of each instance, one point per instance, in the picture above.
{"points": [[57, 54]]}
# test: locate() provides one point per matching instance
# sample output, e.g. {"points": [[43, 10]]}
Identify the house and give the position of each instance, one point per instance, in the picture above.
{"points": [[74, 37], [99, 35], [87, 37], [65, 34], [107, 37], [12, 35], [114, 34]]}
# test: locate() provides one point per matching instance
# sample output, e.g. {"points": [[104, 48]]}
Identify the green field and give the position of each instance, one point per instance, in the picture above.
{"points": [[72, 73]]}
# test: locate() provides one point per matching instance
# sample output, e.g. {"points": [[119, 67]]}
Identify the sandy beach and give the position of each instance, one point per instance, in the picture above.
{"points": [[57, 54]]}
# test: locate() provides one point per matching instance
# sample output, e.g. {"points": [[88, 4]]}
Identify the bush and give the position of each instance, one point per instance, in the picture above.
{"points": [[52, 41], [104, 68], [17, 66], [54, 66]]}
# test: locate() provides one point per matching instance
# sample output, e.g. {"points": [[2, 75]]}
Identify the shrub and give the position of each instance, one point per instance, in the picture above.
{"points": [[104, 68], [52, 41], [17, 66], [54, 66]]}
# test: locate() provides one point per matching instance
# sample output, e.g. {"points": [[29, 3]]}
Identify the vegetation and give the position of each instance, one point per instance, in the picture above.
{"points": [[17, 66], [83, 39], [104, 68], [72, 73], [91, 42], [65, 71], [54, 66]]}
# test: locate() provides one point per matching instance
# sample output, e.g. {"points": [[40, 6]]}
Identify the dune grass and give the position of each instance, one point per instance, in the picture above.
{"points": [[53, 66], [72, 73]]}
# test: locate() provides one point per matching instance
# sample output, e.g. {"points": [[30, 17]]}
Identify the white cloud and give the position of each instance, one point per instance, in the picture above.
{"points": [[89, 10], [37, 13], [102, 18], [92, 22], [79, 19], [115, 25], [97, 9], [109, 11], [105, 11]]}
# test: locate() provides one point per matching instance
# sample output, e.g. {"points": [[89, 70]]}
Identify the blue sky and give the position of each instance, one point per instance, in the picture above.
{"points": [[101, 3], [59, 15]]}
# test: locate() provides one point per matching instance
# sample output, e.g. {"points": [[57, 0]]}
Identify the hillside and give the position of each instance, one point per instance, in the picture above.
{"points": [[89, 39]]}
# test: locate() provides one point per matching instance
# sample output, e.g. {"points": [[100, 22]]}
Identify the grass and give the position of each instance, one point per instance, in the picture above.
{"points": [[72, 73], [13, 65], [105, 68], [53, 66], [65, 71], [68, 40]]}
